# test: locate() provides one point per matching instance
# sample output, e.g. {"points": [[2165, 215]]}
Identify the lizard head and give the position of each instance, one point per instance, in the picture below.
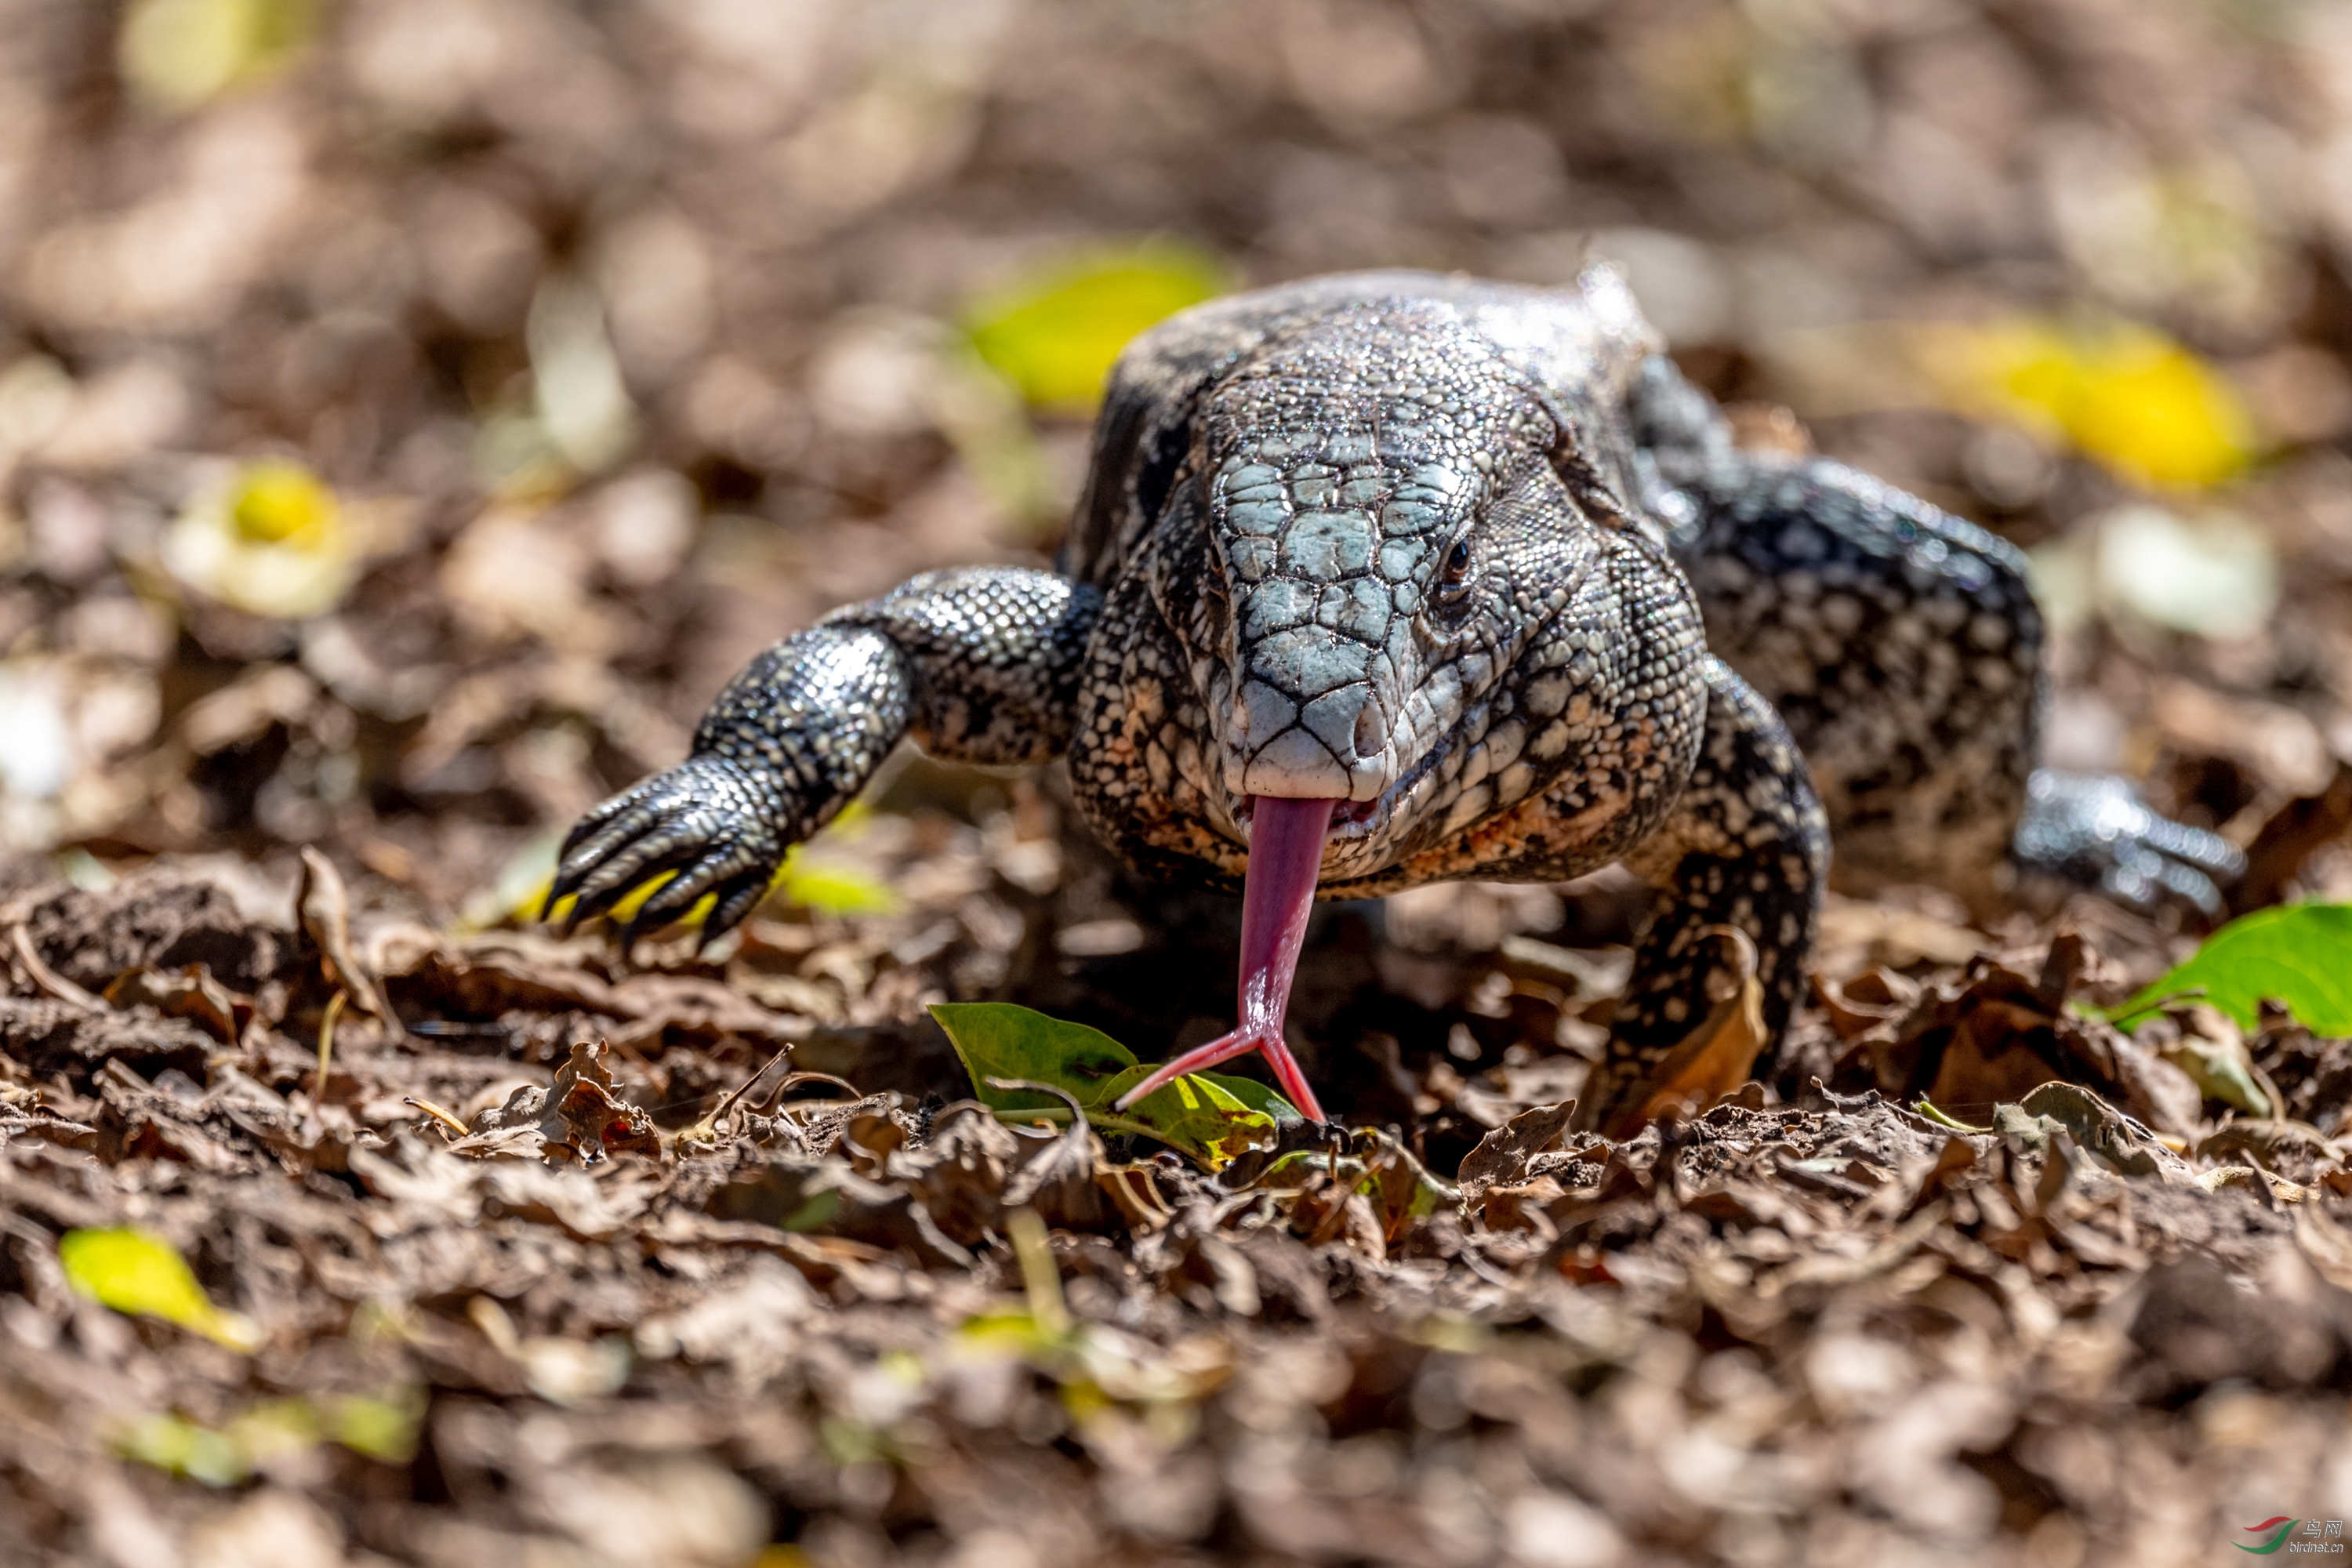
{"points": [[1393, 512]]}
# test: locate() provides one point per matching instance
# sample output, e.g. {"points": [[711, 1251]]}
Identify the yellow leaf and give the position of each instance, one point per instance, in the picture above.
{"points": [[824, 885], [834, 890], [135, 1272], [274, 1430], [382, 1430], [179, 53], [2123, 395], [1054, 333]]}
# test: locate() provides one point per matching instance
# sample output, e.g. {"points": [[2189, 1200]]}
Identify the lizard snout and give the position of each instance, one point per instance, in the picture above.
{"points": [[1331, 746]]}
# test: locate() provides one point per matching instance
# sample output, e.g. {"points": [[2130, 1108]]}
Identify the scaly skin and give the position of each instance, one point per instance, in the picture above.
{"points": [[1473, 561]]}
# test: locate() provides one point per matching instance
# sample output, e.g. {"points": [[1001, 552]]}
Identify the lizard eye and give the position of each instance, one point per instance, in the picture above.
{"points": [[1457, 564]]}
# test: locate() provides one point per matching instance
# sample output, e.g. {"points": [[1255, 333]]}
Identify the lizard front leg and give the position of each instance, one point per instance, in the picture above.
{"points": [[1743, 856], [977, 664]]}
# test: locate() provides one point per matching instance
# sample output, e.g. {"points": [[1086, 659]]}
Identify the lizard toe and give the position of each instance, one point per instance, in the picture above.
{"points": [[737, 897], [676, 899], [2094, 829], [679, 820]]}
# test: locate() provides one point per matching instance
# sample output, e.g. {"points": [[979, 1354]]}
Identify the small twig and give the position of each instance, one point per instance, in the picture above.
{"points": [[1421, 1173], [1078, 1112], [793, 1080], [439, 1115], [49, 979], [709, 1126], [1335, 1143], [335, 1010], [2264, 1081], [1041, 1278]]}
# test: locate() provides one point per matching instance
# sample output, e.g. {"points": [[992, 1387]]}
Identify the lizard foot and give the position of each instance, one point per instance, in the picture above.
{"points": [[706, 820], [2093, 828], [1714, 1058]]}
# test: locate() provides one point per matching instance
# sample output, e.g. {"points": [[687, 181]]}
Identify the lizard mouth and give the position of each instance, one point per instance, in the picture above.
{"points": [[1349, 818], [1355, 823], [1286, 860]]}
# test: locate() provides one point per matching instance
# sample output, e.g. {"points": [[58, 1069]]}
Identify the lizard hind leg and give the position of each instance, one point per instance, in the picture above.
{"points": [[1718, 1055], [1747, 847], [1902, 647]]}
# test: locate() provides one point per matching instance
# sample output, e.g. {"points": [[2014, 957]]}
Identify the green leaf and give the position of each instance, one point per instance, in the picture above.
{"points": [[2299, 953], [1054, 333], [1258, 1097], [182, 1447], [381, 1429], [1929, 1111], [272, 1432], [998, 1039], [1211, 1116], [135, 1272], [1198, 1113]]}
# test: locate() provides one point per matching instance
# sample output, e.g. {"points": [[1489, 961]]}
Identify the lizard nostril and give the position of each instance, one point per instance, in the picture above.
{"points": [[1368, 736]]}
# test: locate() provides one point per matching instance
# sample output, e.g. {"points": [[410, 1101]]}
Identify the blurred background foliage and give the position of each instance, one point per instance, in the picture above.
{"points": [[412, 410]]}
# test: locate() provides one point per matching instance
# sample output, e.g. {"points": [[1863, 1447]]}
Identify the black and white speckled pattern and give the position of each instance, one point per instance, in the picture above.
{"points": [[1419, 544], [1901, 644], [1902, 647], [977, 664], [1747, 845]]}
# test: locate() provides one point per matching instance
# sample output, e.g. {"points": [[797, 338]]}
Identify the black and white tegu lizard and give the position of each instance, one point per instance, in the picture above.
{"points": [[1390, 578]]}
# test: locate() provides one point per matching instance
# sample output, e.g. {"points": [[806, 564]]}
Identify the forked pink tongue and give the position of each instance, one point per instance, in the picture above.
{"points": [[1286, 854]]}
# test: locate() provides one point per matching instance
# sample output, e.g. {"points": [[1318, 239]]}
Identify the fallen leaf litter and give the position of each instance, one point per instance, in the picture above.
{"points": [[1784, 1342], [678, 1290]]}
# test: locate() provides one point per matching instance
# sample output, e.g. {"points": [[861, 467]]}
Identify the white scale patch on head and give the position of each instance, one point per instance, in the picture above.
{"points": [[1340, 467]]}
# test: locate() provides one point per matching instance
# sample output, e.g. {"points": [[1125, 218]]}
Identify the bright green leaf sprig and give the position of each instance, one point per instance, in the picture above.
{"points": [[1212, 1116], [1100, 1370], [1053, 332], [2300, 954]]}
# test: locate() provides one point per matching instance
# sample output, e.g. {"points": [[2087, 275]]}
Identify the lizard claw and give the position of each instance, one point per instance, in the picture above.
{"points": [[2093, 828], [705, 820]]}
